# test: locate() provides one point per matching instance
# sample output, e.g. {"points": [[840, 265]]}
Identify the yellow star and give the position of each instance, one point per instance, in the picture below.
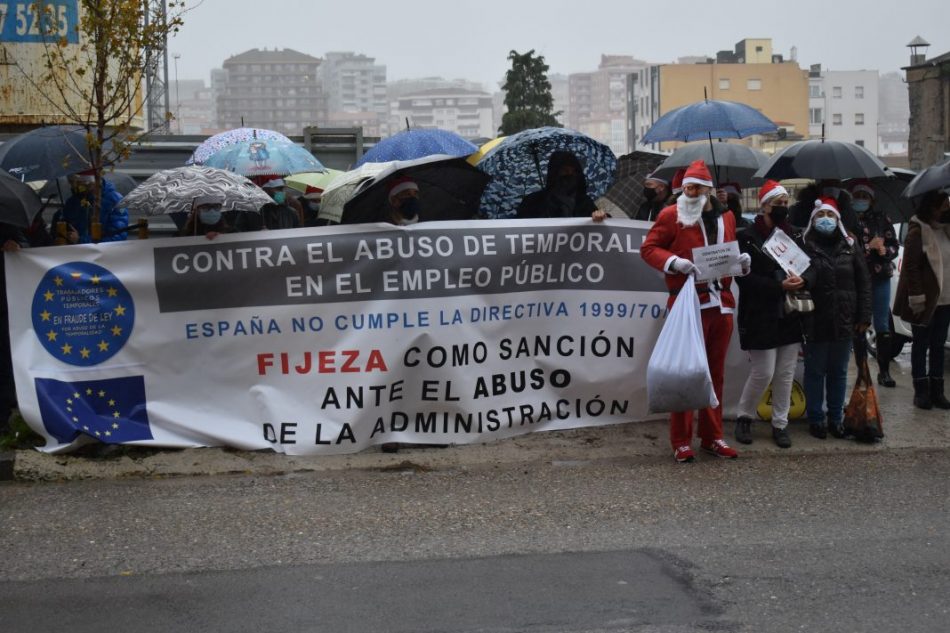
{"points": [[120, 310], [88, 392], [108, 433], [98, 434], [116, 331], [115, 414], [76, 396], [58, 280], [85, 428], [51, 336], [103, 346], [45, 315], [113, 292], [84, 352], [48, 295], [115, 425], [95, 279], [75, 419], [111, 402], [67, 349], [102, 394]]}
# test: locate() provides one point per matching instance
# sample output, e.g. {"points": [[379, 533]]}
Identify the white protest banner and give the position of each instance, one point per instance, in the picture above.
{"points": [[786, 253], [717, 260], [334, 339]]}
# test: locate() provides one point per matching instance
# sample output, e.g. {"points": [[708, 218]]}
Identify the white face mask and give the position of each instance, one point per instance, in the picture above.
{"points": [[689, 209]]}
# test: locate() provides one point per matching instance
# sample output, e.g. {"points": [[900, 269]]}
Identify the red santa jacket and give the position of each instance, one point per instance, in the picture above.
{"points": [[668, 239]]}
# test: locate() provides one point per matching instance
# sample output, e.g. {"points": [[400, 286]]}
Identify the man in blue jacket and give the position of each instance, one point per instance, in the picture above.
{"points": [[76, 212]]}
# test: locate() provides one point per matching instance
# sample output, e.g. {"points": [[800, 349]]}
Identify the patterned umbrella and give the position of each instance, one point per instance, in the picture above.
{"points": [[626, 194], [173, 190], [518, 166], [412, 144], [264, 158], [218, 142]]}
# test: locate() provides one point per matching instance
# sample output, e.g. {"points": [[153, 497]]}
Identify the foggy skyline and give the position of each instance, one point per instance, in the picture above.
{"points": [[421, 38]]}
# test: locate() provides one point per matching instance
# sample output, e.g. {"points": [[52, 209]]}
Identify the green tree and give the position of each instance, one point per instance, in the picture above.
{"points": [[92, 72], [527, 94]]}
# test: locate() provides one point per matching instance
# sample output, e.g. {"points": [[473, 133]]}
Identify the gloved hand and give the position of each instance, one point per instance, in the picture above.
{"points": [[684, 266], [745, 260], [918, 303]]}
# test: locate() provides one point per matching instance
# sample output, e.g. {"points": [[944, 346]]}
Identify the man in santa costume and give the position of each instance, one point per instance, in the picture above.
{"points": [[697, 219]]}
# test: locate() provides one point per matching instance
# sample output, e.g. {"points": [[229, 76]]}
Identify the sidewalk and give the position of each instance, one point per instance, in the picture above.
{"points": [[905, 428]]}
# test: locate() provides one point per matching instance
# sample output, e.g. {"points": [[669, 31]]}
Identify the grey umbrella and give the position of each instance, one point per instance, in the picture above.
{"points": [[734, 162], [822, 160], [18, 202], [933, 178], [173, 190]]}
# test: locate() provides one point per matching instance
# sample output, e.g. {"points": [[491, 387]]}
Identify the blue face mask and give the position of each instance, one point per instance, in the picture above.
{"points": [[210, 217], [280, 197], [826, 226], [860, 206]]}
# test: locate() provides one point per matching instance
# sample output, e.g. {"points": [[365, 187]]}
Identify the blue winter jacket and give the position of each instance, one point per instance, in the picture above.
{"points": [[114, 219]]}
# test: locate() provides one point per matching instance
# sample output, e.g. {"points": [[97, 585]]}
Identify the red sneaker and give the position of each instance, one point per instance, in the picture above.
{"points": [[684, 454], [721, 449]]}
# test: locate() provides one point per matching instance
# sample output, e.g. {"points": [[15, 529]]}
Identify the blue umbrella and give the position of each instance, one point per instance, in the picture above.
{"points": [[518, 166], [264, 157], [413, 144], [222, 140], [709, 119]]}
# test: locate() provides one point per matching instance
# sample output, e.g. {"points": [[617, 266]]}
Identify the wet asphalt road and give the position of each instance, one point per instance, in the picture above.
{"points": [[766, 543]]}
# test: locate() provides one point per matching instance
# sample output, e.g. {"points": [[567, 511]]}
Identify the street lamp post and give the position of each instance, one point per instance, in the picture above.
{"points": [[176, 56]]}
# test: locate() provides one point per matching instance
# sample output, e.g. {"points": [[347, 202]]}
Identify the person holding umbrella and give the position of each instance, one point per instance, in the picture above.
{"points": [[771, 335], [656, 190], [838, 280], [879, 242], [113, 219], [206, 218], [697, 219], [923, 296], [564, 194]]}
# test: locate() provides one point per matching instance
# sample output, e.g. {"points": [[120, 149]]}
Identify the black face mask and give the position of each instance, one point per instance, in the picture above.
{"points": [[410, 208], [649, 194], [944, 217], [778, 215]]}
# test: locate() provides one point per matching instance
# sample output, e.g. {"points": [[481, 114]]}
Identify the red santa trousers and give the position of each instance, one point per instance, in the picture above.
{"points": [[717, 331]]}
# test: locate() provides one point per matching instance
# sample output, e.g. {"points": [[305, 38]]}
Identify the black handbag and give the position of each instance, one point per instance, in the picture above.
{"points": [[798, 301]]}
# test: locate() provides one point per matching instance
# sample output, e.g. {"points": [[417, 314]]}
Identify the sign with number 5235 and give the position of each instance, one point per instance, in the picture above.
{"points": [[38, 22]]}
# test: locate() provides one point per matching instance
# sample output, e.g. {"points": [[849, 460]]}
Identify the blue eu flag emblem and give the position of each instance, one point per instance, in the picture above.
{"points": [[112, 410]]}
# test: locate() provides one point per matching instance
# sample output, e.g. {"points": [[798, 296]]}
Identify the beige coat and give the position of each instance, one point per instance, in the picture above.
{"points": [[921, 273]]}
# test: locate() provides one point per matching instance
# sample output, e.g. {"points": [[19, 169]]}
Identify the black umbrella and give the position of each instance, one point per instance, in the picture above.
{"points": [[449, 189], [47, 153], [632, 170], [933, 178], [18, 202], [823, 160], [888, 195], [735, 163]]}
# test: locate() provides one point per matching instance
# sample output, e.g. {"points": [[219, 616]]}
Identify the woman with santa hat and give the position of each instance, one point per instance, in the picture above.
{"points": [[771, 335], [697, 219], [841, 290]]}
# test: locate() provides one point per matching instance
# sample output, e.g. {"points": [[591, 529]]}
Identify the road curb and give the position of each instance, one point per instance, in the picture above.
{"points": [[7, 465]]}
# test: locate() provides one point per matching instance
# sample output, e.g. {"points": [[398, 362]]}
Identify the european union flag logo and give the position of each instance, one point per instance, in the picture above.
{"points": [[112, 411]]}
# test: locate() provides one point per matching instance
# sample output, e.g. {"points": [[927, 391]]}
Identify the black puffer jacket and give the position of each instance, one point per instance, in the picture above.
{"points": [[763, 323], [840, 287]]}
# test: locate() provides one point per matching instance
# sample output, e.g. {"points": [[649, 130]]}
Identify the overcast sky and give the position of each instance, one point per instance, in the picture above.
{"points": [[471, 39]]}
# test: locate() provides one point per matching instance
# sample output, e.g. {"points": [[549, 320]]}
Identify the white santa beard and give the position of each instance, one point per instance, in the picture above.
{"points": [[689, 210]]}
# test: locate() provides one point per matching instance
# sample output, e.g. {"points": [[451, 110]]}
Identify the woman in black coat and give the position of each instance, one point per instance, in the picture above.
{"points": [[841, 289], [770, 335]]}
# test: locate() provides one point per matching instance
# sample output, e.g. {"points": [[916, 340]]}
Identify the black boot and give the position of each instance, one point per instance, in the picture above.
{"points": [[884, 360], [922, 393], [937, 398]]}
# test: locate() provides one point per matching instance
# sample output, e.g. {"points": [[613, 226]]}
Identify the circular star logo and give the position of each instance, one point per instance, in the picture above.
{"points": [[82, 313]]}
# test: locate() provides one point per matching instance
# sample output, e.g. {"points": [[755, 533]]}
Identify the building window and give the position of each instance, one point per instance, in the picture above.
{"points": [[815, 116], [753, 84], [724, 84], [836, 119], [814, 91], [836, 92], [859, 118], [859, 92]]}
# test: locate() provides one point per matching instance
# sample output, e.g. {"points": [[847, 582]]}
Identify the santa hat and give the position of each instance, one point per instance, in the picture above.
{"points": [[827, 203], [678, 180], [731, 187], [864, 186], [655, 178], [697, 174], [398, 185], [771, 189]]}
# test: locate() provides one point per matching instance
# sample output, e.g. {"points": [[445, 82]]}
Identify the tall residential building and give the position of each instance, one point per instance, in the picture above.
{"points": [[602, 102], [355, 83], [273, 89], [894, 115], [468, 113], [400, 87], [192, 105], [560, 91], [843, 106], [763, 80]]}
